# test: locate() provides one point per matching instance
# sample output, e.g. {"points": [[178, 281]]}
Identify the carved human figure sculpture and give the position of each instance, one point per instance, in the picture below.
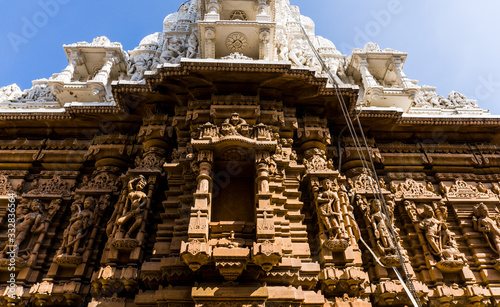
{"points": [[329, 212], [192, 46], [380, 228], [80, 222], [30, 221], [134, 206], [489, 227], [137, 69], [173, 50], [234, 125], [433, 229]]}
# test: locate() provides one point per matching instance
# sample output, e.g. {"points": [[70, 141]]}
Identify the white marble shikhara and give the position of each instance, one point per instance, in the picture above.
{"points": [[262, 31]]}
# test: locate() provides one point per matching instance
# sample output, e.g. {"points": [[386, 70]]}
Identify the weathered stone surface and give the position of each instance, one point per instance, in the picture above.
{"points": [[210, 166]]}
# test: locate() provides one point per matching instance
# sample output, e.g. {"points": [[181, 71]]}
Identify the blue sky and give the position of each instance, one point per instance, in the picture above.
{"points": [[452, 44]]}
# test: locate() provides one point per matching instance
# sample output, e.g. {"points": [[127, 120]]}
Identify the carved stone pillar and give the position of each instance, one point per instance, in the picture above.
{"points": [[196, 252], [368, 79], [213, 8], [264, 45], [266, 253], [103, 74], [75, 59], [209, 43], [397, 65], [263, 10]]}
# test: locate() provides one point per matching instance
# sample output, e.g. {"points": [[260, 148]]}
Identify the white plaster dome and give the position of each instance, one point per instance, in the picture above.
{"points": [[152, 39], [169, 21], [325, 46], [148, 44], [308, 24]]}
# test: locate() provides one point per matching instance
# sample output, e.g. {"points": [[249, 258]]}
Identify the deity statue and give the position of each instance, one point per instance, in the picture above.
{"points": [[29, 221], [192, 46], [432, 221], [380, 229], [329, 211], [134, 206], [433, 229], [138, 68], [173, 50], [282, 46], [235, 125], [489, 227], [296, 55], [80, 225]]}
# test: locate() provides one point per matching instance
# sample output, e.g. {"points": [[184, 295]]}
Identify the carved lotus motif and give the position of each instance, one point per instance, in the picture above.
{"points": [[69, 260], [236, 42], [336, 245], [390, 260], [125, 244], [450, 266], [6, 262]]}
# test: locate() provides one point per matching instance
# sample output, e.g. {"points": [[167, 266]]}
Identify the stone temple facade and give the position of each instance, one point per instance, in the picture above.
{"points": [[212, 166]]}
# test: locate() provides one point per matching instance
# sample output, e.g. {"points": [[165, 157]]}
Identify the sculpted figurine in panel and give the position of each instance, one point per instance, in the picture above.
{"points": [[380, 229], [192, 49], [133, 212], [235, 125], [173, 50], [30, 221], [330, 215], [431, 219], [81, 222], [489, 227]]}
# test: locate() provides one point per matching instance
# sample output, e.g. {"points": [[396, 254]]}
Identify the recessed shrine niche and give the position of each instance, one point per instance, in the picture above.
{"points": [[233, 212], [233, 188], [235, 140]]}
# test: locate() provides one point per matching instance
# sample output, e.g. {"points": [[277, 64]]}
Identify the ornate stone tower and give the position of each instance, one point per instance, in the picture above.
{"points": [[213, 166], [244, 27]]}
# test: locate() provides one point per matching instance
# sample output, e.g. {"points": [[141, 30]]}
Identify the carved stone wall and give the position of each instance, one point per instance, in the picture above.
{"points": [[192, 175]]}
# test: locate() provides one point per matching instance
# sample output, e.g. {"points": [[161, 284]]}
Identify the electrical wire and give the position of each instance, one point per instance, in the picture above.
{"points": [[407, 283]]}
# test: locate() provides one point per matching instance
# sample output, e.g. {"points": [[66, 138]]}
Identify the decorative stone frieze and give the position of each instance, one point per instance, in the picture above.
{"points": [[211, 166]]}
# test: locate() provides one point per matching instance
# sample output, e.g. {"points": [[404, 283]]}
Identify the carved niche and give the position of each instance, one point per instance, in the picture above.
{"points": [[430, 220]]}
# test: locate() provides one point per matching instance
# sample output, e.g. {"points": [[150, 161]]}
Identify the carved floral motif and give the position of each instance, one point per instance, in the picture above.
{"points": [[412, 189], [5, 186], [316, 161], [463, 190], [54, 186]]}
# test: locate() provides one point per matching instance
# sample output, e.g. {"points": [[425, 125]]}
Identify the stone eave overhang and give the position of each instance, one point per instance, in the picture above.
{"points": [[188, 66], [185, 68], [69, 111], [401, 118]]}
